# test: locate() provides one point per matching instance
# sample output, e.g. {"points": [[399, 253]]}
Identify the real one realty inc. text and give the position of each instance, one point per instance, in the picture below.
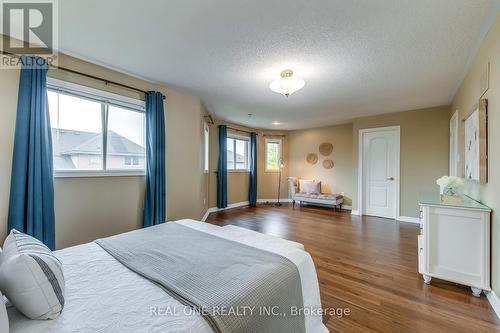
{"points": [[248, 311]]}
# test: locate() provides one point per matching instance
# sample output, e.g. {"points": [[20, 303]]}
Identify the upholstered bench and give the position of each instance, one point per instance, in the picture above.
{"points": [[309, 191]]}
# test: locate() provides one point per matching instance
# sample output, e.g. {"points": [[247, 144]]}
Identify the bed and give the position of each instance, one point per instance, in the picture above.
{"points": [[102, 295]]}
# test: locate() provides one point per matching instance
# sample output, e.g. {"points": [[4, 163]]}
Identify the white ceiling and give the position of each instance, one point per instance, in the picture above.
{"points": [[358, 57]]}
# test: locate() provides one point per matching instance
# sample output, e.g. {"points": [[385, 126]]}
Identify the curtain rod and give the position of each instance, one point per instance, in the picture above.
{"points": [[210, 118], [276, 135], [106, 82], [239, 130]]}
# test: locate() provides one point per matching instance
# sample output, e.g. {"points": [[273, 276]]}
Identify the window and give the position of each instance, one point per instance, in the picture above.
{"points": [[125, 139], [131, 160], [273, 154], [206, 136], [237, 153], [94, 132]]}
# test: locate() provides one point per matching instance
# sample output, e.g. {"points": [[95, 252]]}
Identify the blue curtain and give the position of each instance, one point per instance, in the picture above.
{"points": [[252, 185], [31, 206], [222, 168], [154, 201]]}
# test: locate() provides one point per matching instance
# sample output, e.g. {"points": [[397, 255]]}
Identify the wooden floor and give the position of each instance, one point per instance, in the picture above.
{"points": [[369, 265]]}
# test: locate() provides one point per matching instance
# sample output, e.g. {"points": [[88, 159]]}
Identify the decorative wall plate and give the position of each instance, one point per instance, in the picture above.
{"points": [[312, 158], [325, 148], [328, 164]]}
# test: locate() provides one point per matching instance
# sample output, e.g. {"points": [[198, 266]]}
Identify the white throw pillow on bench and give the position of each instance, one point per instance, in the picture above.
{"points": [[31, 277], [309, 186]]}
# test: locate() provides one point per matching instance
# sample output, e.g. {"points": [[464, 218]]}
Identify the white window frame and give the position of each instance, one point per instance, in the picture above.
{"points": [[206, 149], [107, 99], [280, 151], [247, 151]]}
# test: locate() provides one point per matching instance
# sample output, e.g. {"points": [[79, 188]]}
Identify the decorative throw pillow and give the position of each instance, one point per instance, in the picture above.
{"points": [[4, 320], [31, 277], [310, 186]]}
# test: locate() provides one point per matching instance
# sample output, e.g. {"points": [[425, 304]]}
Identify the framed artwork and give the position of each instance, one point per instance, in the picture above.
{"points": [[476, 148]]}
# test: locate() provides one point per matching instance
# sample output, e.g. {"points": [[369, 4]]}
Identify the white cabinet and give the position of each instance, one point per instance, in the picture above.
{"points": [[454, 244]]}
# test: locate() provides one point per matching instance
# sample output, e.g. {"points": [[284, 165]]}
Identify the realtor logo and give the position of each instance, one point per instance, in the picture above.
{"points": [[29, 28]]}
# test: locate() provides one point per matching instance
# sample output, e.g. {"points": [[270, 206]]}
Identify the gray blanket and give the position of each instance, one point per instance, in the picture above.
{"points": [[237, 288]]}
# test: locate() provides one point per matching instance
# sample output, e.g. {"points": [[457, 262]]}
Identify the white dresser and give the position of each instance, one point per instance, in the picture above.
{"points": [[454, 242]]}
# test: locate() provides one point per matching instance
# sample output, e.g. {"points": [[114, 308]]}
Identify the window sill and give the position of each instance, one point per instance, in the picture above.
{"points": [[271, 171], [238, 171], [100, 173]]}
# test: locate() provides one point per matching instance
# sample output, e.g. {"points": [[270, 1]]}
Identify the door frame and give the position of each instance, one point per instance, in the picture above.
{"points": [[361, 179], [453, 169]]}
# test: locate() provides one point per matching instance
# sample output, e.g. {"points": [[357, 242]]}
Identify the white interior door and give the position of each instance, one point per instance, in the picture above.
{"points": [[380, 167]]}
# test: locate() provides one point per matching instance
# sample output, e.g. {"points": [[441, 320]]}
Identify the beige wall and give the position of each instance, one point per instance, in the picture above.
{"points": [[88, 208], [267, 182], [336, 180], [9, 84], [424, 151], [468, 95]]}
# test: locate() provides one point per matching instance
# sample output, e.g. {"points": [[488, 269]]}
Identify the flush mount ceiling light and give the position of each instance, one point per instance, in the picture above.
{"points": [[287, 84]]}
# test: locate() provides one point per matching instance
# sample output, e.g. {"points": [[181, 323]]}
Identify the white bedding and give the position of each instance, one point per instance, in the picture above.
{"points": [[102, 295]]}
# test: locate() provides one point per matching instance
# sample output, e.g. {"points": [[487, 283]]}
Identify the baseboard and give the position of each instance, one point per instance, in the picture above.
{"points": [[344, 207], [216, 209], [245, 203], [239, 204], [205, 216], [236, 205], [261, 201], [409, 219], [494, 301]]}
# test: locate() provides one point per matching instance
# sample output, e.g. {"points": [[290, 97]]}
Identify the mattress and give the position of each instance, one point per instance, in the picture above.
{"points": [[102, 295]]}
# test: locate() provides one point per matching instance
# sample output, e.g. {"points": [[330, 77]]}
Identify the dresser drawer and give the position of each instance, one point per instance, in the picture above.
{"points": [[421, 254]]}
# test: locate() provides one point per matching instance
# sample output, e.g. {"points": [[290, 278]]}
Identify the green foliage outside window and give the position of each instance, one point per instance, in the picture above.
{"points": [[272, 158]]}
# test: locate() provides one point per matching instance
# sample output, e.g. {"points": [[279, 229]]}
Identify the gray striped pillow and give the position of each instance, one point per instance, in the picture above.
{"points": [[31, 277]]}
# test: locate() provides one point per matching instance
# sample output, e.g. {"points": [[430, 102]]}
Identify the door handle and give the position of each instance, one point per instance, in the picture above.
{"points": [[391, 178]]}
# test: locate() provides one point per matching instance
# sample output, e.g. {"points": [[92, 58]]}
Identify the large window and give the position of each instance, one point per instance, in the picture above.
{"points": [[237, 153], [273, 154], [95, 133]]}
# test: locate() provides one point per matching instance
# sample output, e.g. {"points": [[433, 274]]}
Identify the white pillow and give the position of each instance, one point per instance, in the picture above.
{"points": [[310, 186], [31, 277], [4, 319]]}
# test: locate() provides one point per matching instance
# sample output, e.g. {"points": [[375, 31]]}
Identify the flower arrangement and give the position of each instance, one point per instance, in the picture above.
{"points": [[450, 185]]}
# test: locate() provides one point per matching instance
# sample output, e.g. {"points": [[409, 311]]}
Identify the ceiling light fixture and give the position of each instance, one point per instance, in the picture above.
{"points": [[287, 84], [276, 123]]}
